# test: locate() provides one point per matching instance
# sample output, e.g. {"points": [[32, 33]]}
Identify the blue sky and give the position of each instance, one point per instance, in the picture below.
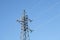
{"points": [[44, 13]]}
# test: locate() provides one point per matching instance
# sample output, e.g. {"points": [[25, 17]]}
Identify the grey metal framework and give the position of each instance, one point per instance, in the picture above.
{"points": [[24, 34]]}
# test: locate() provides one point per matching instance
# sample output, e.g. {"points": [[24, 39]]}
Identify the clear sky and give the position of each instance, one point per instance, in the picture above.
{"points": [[44, 13]]}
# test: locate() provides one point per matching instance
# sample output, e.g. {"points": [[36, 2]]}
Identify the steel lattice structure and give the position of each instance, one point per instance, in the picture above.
{"points": [[24, 34]]}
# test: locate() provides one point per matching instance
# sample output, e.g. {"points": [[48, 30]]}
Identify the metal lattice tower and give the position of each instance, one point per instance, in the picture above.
{"points": [[24, 34]]}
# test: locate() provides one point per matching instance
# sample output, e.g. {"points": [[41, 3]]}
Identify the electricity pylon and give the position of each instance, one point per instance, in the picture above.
{"points": [[24, 34]]}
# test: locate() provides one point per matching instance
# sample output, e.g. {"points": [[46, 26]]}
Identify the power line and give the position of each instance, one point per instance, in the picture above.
{"points": [[24, 27]]}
